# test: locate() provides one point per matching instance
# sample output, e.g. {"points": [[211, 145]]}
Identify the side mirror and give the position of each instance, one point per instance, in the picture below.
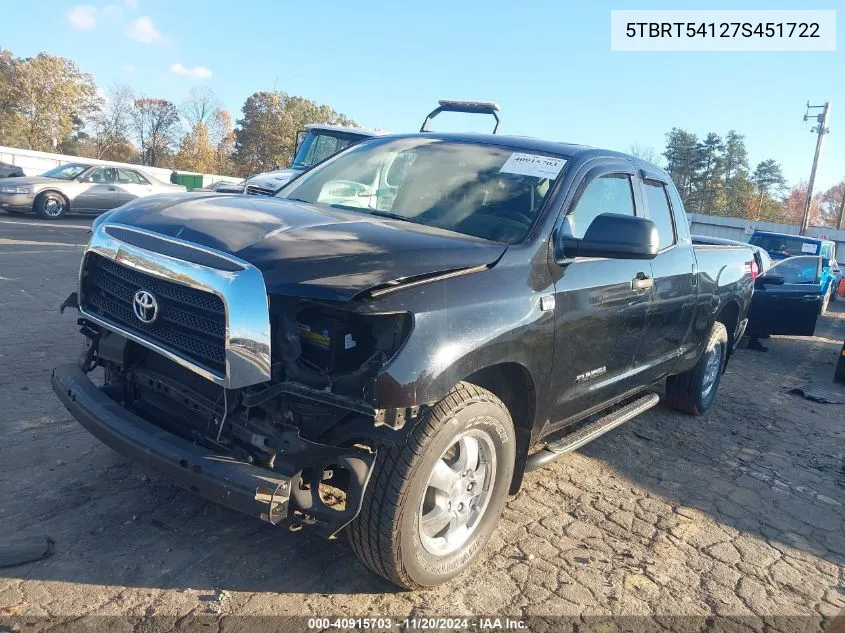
{"points": [[825, 262], [769, 280], [614, 236]]}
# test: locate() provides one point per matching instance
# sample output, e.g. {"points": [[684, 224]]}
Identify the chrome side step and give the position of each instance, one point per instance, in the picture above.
{"points": [[589, 432]]}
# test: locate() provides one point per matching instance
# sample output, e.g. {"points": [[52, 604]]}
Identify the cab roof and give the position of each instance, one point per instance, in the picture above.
{"points": [[360, 131]]}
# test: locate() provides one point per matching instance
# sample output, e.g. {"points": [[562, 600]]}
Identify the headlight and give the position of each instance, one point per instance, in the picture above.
{"points": [[10, 189]]}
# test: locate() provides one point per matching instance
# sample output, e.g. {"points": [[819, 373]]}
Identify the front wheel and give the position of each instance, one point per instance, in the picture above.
{"points": [[50, 206], [434, 500], [694, 390]]}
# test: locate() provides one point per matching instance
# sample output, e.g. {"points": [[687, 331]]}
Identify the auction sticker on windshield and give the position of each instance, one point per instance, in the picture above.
{"points": [[808, 248], [533, 165]]}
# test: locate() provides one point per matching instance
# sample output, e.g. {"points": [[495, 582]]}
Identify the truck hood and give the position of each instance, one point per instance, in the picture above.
{"points": [[309, 250]]}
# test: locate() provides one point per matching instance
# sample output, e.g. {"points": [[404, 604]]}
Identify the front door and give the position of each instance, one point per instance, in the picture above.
{"points": [[98, 192], [791, 307], [600, 311]]}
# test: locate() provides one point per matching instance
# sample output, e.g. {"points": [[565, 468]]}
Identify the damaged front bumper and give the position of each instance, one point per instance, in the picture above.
{"points": [[290, 492]]}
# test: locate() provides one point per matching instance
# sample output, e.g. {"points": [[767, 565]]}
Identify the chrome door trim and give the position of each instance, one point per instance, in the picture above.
{"points": [[243, 293]]}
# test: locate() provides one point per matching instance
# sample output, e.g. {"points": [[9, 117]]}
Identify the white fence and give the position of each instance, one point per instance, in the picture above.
{"points": [[740, 229], [33, 163]]}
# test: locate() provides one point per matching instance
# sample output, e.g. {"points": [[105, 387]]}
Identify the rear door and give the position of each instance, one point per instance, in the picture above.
{"points": [[670, 315], [599, 309], [131, 184], [790, 308]]}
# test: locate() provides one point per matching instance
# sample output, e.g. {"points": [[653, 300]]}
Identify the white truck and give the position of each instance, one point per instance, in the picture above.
{"points": [[314, 144]]}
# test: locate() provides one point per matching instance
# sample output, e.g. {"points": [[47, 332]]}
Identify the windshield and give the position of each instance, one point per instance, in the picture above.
{"points": [[780, 246], [486, 191], [319, 145], [66, 172]]}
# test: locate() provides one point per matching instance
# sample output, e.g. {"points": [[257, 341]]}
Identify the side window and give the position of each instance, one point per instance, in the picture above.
{"points": [[130, 177], [797, 270], [659, 211], [102, 175], [611, 193]]}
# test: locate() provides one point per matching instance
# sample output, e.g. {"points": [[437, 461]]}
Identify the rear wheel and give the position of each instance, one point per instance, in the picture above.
{"points": [[433, 501], [50, 205], [694, 390]]}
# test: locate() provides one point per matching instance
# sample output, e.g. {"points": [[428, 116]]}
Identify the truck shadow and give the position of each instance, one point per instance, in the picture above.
{"points": [[766, 462]]}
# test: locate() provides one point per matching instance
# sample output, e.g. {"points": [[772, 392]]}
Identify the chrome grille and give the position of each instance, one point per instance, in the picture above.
{"points": [[255, 190], [190, 323]]}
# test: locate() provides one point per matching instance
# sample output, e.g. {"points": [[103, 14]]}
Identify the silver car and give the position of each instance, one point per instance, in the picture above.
{"points": [[78, 188]]}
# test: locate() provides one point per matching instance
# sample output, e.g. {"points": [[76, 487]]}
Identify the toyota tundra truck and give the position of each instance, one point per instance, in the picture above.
{"points": [[390, 342]]}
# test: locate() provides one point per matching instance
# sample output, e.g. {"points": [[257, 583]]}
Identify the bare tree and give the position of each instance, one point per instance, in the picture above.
{"points": [[200, 107], [110, 126], [648, 154], [155, 122]]}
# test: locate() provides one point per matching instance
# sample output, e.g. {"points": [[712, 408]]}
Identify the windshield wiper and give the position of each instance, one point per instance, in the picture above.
{"points": [[394, 216]]}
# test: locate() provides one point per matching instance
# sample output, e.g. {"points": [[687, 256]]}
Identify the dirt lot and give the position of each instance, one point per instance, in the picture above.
{"points": [[738, 512]]}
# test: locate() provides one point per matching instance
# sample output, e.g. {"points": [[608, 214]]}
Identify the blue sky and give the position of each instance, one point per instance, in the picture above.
{"points": [[385, 64]]}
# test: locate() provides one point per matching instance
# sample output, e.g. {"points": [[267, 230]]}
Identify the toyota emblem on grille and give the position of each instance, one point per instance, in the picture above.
{"points": [[145, 306]]}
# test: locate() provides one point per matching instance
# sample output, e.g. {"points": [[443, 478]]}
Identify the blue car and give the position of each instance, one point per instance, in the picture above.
{"points": [[783, 245]]}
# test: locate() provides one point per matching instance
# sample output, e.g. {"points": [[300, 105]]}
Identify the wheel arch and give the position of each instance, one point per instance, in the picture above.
{"points": [[728, 316], [46, 191], [514, 385]]}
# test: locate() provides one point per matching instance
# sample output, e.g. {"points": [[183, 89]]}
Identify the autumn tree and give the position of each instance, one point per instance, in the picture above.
{"points": [[265, 137], [830, 205], [44, 98], [196, 151], [154, 122], [223, 138]]}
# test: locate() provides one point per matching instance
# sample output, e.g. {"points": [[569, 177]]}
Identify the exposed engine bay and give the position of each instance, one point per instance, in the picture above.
{"points": [[315, 422]]}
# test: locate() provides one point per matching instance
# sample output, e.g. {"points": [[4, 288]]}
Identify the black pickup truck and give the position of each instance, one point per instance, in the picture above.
{"points": [[390, 342]]}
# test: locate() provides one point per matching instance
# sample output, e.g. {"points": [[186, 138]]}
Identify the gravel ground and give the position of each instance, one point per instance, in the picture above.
{"points": [[738, 513]]}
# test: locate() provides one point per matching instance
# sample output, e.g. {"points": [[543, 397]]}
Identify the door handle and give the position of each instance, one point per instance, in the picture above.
{"points": [[642, 282], [112, 188]]}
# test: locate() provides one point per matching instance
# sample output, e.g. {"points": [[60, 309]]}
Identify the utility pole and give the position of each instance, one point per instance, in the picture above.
{"points": [[821, 129], [841, 210]]}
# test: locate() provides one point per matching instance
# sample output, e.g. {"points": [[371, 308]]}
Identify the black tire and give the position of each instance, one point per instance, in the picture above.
{"points": [[688, 392], [386, 536], [51, 205]]}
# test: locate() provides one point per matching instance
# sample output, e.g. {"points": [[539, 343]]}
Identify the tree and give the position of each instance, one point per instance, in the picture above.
{"points": [[196, 151], [109, 128], [265, 136], [223, 137], [707, 179], [829, 204], [47, 97], [200, 107], [648, 154], [682, 160], [735, 165], [794, 204], [154, 122], [768, 178]]}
